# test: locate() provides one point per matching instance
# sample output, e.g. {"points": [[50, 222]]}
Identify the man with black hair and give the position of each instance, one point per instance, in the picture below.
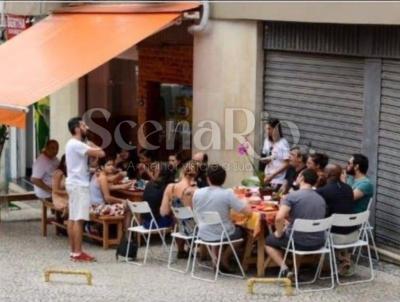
{"points": [[77, 183], [356, 177], [175, 164], [202, 159], [302, 204], [298, 161], [217, 199]]}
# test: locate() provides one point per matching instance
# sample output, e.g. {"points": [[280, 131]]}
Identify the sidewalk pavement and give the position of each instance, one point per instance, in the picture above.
{"points": [[24, 255]]}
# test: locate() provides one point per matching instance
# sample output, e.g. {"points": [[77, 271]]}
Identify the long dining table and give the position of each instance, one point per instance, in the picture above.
{"points": [[258, 225], [130, 194]]}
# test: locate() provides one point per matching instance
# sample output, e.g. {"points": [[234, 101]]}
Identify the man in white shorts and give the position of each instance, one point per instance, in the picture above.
{"points": [[77, 185]]}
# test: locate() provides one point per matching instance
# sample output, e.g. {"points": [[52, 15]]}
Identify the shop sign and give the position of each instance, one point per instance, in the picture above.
{"points": [[16, 24]]}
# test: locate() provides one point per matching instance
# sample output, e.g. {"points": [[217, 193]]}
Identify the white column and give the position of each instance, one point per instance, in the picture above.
{"points": [[228, 69], [63, 105]]}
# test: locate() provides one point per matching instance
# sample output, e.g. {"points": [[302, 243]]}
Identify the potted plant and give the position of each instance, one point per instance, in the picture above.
{"points": [[243, 150]]}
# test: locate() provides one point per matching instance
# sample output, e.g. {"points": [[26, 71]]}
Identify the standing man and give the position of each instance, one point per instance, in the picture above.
{"points": [[43, 168], [77, 184]]}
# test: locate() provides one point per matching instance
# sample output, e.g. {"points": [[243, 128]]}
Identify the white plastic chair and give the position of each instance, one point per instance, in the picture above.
{"points": [[213, 219], [350, 220], [311, 226], [369, 232], [181, 214], [144, 208]]}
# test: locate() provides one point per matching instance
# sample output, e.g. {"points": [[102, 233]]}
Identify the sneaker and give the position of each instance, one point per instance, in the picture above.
{"points": [[286, 273], [347, 271], [83, 257]]}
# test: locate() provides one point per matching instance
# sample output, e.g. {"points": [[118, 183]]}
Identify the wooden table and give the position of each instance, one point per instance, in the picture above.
{"points": [[7, 198], [257, 226], [105, 220], [132, 195]]}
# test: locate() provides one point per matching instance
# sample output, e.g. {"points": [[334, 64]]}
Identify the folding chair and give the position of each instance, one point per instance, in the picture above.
{"points": [[213, 219], [349, 220], [180, 214], [311, 226], [369, 232], [144, 208]]}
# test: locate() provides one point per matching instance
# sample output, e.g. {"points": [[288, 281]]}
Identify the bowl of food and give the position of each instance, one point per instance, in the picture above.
{"points": [[254, 199], [267, 198]]}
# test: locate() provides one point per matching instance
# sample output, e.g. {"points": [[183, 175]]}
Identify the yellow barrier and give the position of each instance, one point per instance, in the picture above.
{"points": [[88, 274], [285, 281]]}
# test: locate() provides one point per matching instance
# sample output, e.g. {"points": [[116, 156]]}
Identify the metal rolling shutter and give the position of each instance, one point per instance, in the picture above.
{"points": [[321, 95], [387, 215]]}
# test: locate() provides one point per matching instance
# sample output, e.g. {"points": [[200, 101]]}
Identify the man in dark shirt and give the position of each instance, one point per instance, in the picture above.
{"points": [[298, 161], [339, 199], [202, 159], [338, 196]]}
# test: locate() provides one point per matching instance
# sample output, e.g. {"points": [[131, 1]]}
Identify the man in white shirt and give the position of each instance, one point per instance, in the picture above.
{"points": [[43, 168], [77, 185]]}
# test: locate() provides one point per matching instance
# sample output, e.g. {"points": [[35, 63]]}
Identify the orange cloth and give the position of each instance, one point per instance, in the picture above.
{"points": [[254, 221]]}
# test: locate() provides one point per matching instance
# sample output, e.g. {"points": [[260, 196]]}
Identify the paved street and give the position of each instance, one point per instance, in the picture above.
{"points": [[24, 255]]}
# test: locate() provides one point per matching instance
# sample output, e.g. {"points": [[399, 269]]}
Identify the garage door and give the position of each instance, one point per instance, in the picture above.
{"points": [[387, 224], [321, 95]]}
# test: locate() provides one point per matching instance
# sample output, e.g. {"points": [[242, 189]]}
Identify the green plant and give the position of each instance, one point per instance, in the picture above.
{"points": [[3, 137], [243, 151]]}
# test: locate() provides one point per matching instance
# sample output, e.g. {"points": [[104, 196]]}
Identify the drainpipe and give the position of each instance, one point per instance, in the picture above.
{"points": [[204, 19]]}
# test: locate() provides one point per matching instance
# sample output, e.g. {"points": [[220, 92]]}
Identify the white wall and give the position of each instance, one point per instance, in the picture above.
{"points": [[63, 105], [228, 68], [30, 8]]}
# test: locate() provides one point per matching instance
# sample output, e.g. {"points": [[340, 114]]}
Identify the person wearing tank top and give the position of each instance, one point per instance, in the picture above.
{"points": [[180, 195], [101, 201]]}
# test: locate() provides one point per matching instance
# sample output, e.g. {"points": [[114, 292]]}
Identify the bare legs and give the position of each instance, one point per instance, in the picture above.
{"points": [[75, 231], [275, 254]]}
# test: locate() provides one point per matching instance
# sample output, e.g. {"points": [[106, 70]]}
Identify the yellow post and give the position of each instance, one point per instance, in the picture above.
{"points": [[87, 274], [285, 281]]}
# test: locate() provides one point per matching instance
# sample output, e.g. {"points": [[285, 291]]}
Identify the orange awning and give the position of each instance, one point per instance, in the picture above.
{"points": [[64, 47]]}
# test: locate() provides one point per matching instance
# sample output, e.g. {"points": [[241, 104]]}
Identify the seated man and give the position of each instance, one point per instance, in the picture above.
{"points": [[175, 163], [304, 204], [356, 177], [217, 199], [202, 159], [339, 199], [297, 163], [43, 168]]}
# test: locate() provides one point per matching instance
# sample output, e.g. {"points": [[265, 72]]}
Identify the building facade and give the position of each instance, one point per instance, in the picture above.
{"points": [[330, 71]]}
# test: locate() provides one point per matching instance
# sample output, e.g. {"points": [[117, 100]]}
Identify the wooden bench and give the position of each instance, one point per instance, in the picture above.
{"points": [[26, 196], [105, 221]]}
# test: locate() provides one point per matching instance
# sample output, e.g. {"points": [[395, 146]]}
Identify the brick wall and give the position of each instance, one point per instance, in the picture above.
{"points": [[164, 64]]}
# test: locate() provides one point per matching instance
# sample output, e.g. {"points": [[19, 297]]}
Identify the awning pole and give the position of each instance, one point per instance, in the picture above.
{"points": [[14, 108]]}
